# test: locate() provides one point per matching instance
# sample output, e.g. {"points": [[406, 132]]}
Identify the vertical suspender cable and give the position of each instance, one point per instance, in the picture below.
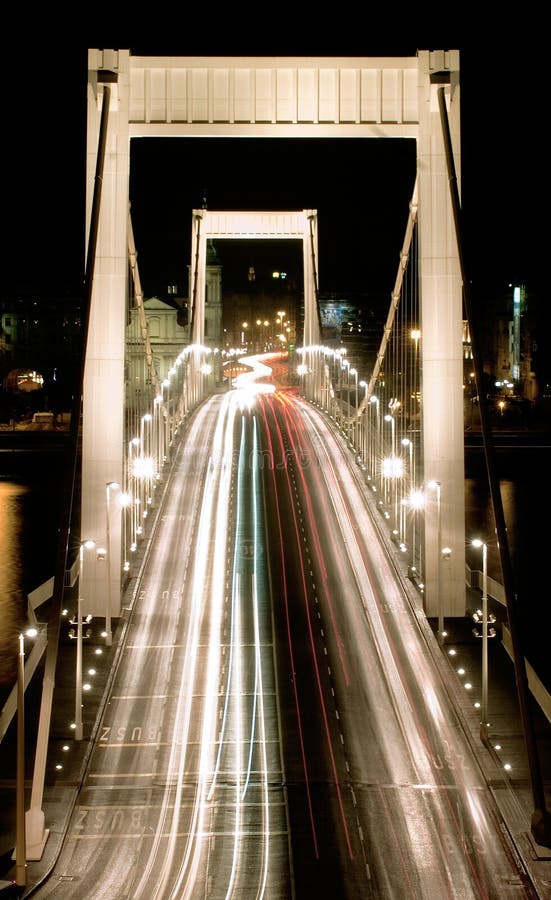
{"points": [[541, 820]]}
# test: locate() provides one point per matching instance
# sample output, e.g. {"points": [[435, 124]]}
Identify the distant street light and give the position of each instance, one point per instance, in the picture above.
{"points": [[78, 679], [482, 615], [416, 501], [345, 366], [354, 372], [363, 423], [442, 551], [375, 437], [409, 447], [111, 485], [389, 418]]}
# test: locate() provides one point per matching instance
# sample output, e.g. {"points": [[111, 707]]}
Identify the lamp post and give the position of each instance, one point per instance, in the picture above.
{"points": [[335, 376], [354, 372], [20, 823], [392, 455], [416, 501], [345, 366], [375, 437], [389, 418], [363, 423], [408, 444], [78, 692], [486, 633], [111, 485], [438, 488]]}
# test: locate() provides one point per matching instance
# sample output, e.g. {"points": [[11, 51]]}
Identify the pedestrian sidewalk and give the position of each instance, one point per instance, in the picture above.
{"points": [[503, 760]]}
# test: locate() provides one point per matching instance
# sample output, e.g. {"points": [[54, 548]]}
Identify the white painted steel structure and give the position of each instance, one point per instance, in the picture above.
{"points": [[280, 97], [229, 225]]}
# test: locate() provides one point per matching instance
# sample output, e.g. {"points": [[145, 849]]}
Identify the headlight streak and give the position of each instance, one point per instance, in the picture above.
{"points": [[257, 670], [437, 838], [176, 765], [350, 541], [443, 837], [156, 609], [235, 678], [234, 695], [290, 642], [248, 381], [402, 702], [236, 683], [315, 663], [425, 749], [259, 685], [224, 452], [291, 424], [234, 600], [326, 470]]}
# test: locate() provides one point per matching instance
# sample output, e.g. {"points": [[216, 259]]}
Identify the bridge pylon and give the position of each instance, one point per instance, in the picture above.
{"points": [[191, 97]]}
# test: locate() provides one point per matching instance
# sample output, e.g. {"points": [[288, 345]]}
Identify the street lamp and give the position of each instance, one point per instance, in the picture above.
{"points": [[354, 372], [416, 501], [363, 423], [345, 366], [78, 692], [20, 835], [375, 436], [441, 552], [482, 615], [111, 485], [389, 418], [409, 446]]}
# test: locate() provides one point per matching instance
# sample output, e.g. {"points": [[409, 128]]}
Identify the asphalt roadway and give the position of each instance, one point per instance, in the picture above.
{"points": [[512, 787]]}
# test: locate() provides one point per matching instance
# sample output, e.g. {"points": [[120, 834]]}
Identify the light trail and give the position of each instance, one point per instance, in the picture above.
{"points": [[402, 669], [209, 522], [290, 647], [224, 457], [314, 656], [232, 734], [259, 681], [192, 789], [289, 409]]}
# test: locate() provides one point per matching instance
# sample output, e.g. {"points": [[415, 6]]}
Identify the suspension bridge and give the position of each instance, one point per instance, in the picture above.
{"points": [[402, 422], [130, 97]]}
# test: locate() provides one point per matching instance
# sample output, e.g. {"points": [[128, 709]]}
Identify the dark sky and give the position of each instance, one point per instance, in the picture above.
{"points": [[360, 188]]}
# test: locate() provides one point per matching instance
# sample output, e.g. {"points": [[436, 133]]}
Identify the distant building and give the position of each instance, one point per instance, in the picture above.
{"points": [[509, 342], [41, 335], [355, 323], [166, 333]]}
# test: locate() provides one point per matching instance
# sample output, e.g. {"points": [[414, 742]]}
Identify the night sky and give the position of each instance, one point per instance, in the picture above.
{"points": [[361, 189]]}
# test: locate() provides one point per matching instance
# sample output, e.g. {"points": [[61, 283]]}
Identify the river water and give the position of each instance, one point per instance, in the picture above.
{"points": [[30, 506]]}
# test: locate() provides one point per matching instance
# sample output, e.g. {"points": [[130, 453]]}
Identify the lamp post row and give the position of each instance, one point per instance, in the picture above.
{"points": [[367, 440]]}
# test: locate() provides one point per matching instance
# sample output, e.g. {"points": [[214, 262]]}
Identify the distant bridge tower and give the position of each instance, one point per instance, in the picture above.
{"points": [[252, 225], [287, 98]]}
